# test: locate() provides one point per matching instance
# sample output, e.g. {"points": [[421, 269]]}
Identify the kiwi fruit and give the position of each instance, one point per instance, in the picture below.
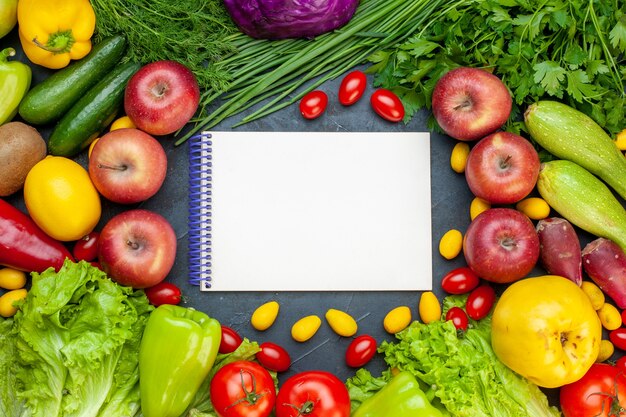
{"points": [[21, 147]]}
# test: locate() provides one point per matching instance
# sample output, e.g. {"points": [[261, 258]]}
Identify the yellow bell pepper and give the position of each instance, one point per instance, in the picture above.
{"points": [[53, 32]]}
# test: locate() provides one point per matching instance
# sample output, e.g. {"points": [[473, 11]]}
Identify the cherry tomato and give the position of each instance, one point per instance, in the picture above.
{"points": [[314, 394], [480, 301], [273, 357], [230, 340], [242, 389], [596, 393], [623, 314], [86, 249], [352, 87], [460, 281], [313, 104], [458, 318], [163, 293], [387, 105], [618, 338], [360, 351]]}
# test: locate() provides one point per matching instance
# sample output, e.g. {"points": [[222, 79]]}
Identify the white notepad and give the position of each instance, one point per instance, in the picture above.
{"points": [[310, 211]]}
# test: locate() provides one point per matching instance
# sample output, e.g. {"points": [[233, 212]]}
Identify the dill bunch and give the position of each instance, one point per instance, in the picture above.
{"points": [[192, 32]]}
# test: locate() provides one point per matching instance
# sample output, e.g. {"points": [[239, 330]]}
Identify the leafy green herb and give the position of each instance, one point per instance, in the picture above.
{"points": [[192, 32], [572, 50]]}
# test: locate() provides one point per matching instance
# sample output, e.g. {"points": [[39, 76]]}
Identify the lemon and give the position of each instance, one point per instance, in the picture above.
{"points": [[61, 199]]}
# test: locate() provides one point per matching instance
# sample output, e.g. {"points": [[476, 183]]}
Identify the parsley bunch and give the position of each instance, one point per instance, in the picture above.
{"points": [[568, 50]]}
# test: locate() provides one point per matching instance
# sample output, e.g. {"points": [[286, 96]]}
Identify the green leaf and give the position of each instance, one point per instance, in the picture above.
{"points": [[617, 35], [550, 75], [420, 47], [575, 56], [578, 86]]}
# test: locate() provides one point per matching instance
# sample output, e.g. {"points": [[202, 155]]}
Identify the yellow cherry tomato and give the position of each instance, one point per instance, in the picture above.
{"points": [[397, 319], [123, 122], [61, 199], [610, 316], [606, 350], [477, 206], [595, 294], [12, 279], [91, 145], [305, 328], [341, 322], [265, 315], [545, 329], [429, 307], [534, 207], [7, 308], [458, 157], [451, 244]]}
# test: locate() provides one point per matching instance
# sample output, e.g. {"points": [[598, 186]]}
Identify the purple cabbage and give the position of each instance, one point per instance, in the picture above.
{"points": [[279, 19]]}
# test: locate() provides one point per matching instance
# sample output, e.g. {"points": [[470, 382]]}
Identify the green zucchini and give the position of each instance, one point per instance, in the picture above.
{"points": [[92, 113], [583, 199], [47, 101], [570, 134]]}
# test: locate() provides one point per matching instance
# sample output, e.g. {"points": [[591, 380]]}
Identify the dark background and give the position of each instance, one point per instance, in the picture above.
{"points": [[450, 198]]}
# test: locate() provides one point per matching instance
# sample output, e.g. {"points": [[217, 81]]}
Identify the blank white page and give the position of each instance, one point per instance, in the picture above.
{"points": [[304, 211]]}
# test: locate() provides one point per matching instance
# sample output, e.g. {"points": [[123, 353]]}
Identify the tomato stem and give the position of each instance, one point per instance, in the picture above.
{"points": [[251, 396]]}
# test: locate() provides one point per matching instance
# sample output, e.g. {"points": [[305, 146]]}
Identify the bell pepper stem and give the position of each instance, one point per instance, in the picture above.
{"points": [[6, 53], [59, 42]]}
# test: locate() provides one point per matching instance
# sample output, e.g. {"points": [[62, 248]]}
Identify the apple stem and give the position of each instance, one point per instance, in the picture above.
{"points": [[116, 168], [505, 162]]}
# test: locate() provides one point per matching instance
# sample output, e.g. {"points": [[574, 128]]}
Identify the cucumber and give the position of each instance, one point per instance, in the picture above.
{"points": [[583, 199], [570, 134], [92, 113], [47, 101]]}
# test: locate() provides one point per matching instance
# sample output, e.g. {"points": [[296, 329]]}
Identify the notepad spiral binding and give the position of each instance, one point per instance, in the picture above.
{"points": [[200, 200]]}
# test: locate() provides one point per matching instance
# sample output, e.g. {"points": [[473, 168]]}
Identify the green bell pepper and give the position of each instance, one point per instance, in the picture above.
{"points": [[15, 78], [401, 397], [178, 349]]}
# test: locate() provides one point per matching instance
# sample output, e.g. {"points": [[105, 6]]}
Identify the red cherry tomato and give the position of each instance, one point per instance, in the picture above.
{"points": [[360, 351], [242, 389], [480, 301], [273, 357], [460, 281], [387, 105], [163, 293], [352, 87], [230, 340], [86, 249], [458, 318], [314, 394], [600, 392], [313, 104], [618, 338]]}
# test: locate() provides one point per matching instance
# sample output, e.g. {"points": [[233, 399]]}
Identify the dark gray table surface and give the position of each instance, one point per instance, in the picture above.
{"points": [[450, 209]]}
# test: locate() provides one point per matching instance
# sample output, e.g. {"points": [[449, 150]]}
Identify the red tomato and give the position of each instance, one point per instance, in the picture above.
{"points": [[273, 357], [620, 364], [352, 87], [623, 314], [163, 293], [86, 249], [600, 392], [242, 389], [460, 281], [387, 105], [313, 394], [480, 301], [458, 318], [618, 338], [230, 340], [313, 104], [360, 351]]}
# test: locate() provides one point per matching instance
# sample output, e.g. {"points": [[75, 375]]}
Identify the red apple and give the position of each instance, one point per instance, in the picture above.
{"points": [[502, 168], [137, 248], [470, 103], [127, 165], [501, 245], [161, 97]]}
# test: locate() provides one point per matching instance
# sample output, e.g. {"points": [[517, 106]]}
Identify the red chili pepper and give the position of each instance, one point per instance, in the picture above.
{"points": [[23, 245]]}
